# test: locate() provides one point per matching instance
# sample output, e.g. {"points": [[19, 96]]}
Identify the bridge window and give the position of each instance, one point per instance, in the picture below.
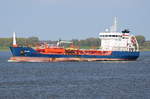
{"points": [[110, 36]]}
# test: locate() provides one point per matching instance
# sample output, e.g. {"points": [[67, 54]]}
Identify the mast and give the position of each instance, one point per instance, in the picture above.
{"points": [[113, 28], [115, 24], [14, 40]]}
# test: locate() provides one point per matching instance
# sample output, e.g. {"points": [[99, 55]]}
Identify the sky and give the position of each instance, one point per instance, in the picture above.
{"points": [[72, 19]]}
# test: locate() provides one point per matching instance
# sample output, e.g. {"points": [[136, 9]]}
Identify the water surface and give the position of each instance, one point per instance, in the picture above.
{"points": [[75, 80]]}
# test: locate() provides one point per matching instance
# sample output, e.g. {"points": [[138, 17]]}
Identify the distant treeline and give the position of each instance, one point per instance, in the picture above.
{"points": [[6, 42], [144, 45], [86, 43]]}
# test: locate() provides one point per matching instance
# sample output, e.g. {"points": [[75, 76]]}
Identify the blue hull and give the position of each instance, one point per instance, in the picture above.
{"points": [[29, 52]]}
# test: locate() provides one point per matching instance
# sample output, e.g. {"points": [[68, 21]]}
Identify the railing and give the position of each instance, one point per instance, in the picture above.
{"points": [[131, 49]]}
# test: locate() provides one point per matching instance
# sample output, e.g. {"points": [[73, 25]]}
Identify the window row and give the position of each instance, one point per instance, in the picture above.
{"points": [[110, 35]]}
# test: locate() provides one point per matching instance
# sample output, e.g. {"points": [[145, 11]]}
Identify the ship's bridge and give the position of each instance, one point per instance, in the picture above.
{"points": [[114, 41], [111, 40], [106, 35]]}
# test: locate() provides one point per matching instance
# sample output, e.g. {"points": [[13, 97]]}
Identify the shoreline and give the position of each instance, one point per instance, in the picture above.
{"points": [[4, 49]]}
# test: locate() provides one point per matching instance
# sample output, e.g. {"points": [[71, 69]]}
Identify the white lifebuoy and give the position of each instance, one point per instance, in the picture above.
{"points": [[133, 40]]}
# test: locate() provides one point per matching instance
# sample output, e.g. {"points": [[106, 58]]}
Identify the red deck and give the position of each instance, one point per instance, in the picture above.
{"points": [[73, 51]]}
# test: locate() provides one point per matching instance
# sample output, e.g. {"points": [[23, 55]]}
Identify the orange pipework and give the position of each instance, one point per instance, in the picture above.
{"points": [[73, 52], [54, 50]]}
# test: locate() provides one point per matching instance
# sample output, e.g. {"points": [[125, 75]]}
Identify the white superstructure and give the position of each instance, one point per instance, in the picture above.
{"points": [[118, 41]]}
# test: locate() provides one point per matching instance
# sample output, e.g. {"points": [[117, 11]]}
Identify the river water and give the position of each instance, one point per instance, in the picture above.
{"points": [[75, 80]]}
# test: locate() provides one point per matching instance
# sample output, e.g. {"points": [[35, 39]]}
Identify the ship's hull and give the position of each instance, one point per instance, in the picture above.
{"points": [[31, 55]]}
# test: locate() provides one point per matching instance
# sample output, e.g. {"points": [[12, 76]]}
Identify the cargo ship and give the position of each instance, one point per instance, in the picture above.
{"points": [[115, 46]]}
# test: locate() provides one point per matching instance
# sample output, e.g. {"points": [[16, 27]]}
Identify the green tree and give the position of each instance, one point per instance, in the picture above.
{"points": [[140, 39]]}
